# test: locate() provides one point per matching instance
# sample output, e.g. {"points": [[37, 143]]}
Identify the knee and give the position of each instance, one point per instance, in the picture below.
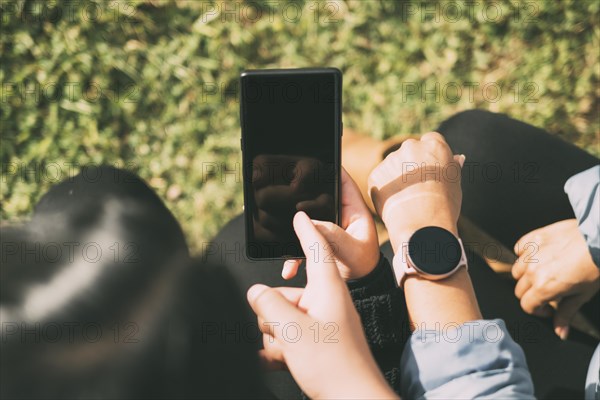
{"points": [[471, 127], [468, 122]]}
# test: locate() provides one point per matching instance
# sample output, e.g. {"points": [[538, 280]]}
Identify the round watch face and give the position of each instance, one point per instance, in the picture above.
{"points": [[434, 250]]}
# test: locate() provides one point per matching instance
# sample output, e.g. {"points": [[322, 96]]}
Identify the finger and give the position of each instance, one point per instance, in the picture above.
{"points": [[342, 245], [353, 204], [270, 363], [522, 286], [320, 265], [273, 348], [350, 190], [519, 268], [333, 233], [531, 302], [272, 306], [267, 328], [290, 268], [460, 159], [291, 294], [567, 308], [357, 220], [544, 311], [533, 238], [433, 136]]}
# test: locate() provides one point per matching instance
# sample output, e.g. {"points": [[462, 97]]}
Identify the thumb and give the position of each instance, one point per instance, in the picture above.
{"points": [[565, 311], [346, 247], [332, 233], [460, 159], [272, 307]]}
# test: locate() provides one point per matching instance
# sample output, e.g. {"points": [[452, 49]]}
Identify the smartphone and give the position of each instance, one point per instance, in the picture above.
{"points": [[291, 122]]}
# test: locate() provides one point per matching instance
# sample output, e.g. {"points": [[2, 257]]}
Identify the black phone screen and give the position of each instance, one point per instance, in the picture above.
{"points": [[291, 128]]}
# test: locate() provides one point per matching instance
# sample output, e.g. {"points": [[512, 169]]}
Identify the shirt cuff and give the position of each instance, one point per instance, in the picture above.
{"points": [[583, 190], [381, 307], [378, 281], [474, 359]]}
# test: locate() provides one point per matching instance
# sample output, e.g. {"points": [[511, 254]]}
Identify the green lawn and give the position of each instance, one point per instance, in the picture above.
{"points": [[152, 85]]}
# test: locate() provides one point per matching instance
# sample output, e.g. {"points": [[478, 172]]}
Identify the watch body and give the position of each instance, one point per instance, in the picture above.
{"points": [[431, 252]]}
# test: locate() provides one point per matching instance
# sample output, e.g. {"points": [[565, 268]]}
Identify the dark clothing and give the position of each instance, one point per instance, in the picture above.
{"points": [[195, 348], [512, 183], [186, 329]]}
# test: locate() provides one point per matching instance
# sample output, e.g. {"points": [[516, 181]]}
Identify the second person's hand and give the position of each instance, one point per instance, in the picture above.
{"points": [[555, 264]]}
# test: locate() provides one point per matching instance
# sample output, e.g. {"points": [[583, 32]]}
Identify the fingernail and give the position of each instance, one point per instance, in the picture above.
{"points": [[462, 159], [287, 267], [562, 332]]}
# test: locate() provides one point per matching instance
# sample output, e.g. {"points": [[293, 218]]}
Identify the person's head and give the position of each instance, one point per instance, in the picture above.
{"points": [[99, 298]]}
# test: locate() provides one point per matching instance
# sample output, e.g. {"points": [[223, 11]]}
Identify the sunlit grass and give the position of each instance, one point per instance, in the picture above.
{"points": [[152, 85]]}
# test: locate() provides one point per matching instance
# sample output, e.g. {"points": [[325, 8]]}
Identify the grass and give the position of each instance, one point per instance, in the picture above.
{"points": [[152, 85]]}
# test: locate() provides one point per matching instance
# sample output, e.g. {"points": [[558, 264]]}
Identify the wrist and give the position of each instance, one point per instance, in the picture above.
{"points": [[370, 384], [373, 276], [361, 379], [361, 269]]}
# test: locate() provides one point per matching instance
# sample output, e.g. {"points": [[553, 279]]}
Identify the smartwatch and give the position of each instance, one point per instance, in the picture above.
{"points": [[432, 253]]}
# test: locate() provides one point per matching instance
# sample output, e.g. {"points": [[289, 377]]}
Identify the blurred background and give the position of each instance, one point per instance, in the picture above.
{"points": [[152, 86]]}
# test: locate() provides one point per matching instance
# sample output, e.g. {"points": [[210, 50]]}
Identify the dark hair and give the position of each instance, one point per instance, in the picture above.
{"points": [[99, 298]]}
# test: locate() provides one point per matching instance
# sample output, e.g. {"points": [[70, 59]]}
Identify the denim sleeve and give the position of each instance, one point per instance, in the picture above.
{"points": [[583, 190], [475, 359]]}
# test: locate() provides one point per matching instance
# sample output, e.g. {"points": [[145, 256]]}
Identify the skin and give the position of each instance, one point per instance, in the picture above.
{"points": [[354, 243], [555, 265], [346, 368], [409, 199], [330, 358]]}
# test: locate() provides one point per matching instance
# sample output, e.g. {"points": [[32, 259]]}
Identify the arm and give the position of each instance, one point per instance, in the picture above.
{"points": [[412, 189], [449, 355], [368, 276], [472, 360], [337, 362]]}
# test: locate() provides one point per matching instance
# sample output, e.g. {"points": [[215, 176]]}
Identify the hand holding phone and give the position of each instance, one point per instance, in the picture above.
{"points": [[354, 243]]}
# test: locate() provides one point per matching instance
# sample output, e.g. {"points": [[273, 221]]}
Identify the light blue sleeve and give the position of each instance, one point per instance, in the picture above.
{"points": [[592, 382], [475, 359], [583, 190]]}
